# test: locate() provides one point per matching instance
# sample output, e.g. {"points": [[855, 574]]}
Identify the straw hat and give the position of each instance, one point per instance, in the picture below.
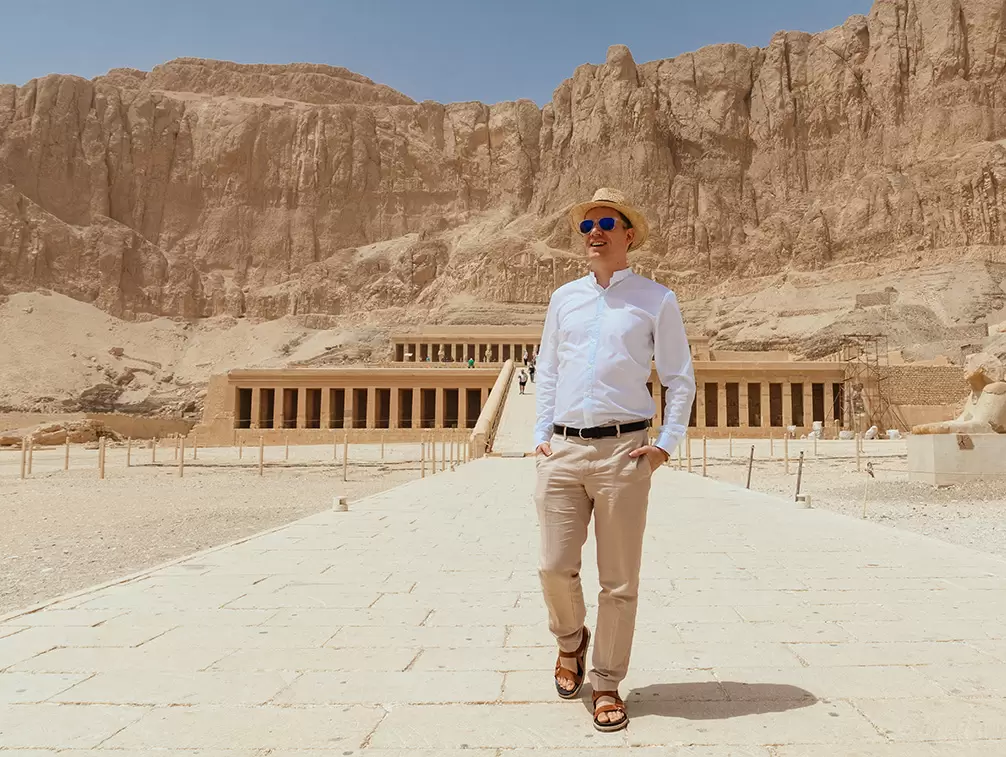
{"points": [[606, 197]]}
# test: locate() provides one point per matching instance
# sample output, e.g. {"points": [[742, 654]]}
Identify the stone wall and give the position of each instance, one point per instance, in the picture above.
{"points": [[925, 385]]}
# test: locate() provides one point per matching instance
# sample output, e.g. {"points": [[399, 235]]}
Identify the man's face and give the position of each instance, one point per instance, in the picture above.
{"points": [[601, 244]]}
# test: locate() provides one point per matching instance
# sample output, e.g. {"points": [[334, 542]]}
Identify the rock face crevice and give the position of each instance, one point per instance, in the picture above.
{"points": [[208, 188]]}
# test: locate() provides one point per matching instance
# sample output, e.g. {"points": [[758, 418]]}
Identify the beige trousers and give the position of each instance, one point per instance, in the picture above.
{"points": [[580, 478]]}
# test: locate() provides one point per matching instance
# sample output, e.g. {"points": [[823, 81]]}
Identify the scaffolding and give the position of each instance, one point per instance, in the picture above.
{"points": [[867, 399]]}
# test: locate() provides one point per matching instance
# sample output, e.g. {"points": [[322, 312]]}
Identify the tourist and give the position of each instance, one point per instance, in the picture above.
{"points": [[525, 357], [522, 380], [530, 372], [471, 362], [593, 456]]}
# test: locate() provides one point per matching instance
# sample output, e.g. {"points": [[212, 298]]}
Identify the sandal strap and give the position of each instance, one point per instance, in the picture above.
{"points": [[611, 695], [609, 708]]}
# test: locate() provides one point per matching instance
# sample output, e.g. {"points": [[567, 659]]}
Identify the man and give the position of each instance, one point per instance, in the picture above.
{"points": [[593, 456]]}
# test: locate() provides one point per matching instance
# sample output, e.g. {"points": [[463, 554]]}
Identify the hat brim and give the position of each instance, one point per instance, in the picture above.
{"points": [[637, 219]]}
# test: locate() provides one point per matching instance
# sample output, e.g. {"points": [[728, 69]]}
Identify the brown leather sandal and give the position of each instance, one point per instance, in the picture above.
{"points": [[618, 706], [580, 655]]}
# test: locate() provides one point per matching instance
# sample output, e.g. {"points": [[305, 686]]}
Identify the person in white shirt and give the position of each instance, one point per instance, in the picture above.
{"points": [[593, 454]]}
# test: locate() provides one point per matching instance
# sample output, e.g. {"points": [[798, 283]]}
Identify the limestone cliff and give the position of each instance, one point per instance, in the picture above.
{"points": [[207, 188]]}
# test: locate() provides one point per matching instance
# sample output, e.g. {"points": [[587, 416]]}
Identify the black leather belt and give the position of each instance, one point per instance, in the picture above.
{"points": [[598, 432]]}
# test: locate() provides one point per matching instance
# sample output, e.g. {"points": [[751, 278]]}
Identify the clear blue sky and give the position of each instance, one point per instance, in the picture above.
{"points": [[445, 50]]}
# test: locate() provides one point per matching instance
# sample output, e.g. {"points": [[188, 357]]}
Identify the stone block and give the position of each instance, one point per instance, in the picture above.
{"points": [[948, 459]]}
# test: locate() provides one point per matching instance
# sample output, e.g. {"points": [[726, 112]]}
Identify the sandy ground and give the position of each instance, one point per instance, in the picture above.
{"points": [[67, 530], [972, 515]]}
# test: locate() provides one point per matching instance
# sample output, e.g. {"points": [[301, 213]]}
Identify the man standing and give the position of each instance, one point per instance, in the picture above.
{"points": [[593, 456]]}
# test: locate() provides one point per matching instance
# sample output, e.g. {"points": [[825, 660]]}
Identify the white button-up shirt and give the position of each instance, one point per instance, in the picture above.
{"points": [[596, 352]]}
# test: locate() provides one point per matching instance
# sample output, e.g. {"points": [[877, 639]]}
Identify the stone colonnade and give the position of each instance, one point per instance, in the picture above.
{"points": [[748, 400], [460, 351], [358, 407]]}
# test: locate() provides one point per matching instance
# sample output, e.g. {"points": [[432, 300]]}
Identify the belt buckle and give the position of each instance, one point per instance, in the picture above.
{"points": [[580, 433]]}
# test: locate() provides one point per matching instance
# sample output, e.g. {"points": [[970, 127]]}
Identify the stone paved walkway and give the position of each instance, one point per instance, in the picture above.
{"points": [[515, 434], [413, 625]]}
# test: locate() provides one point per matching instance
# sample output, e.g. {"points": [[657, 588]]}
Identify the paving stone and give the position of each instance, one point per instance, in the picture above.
{"points": [[320, 596], [889, 681], [344, 728], [368, 752], [986, 680], [762, 631], [469, 658], [427, 637], [182, 618], [103, 659], [318, 659], [58, 616], [561, 725], [817, 613], [890, 653], [754, 723], [345, 617], [120, 635], [19, 688], [948, 719], [734, 750], [392, 689], [157, 688], [18, 647], [56, 726], [229, 638], [912, 749]]}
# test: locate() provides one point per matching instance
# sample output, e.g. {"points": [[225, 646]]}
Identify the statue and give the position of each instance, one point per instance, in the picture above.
{"points": [[985, 410]]}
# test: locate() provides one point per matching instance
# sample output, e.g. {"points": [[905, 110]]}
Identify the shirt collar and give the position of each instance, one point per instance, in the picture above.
{"points": [[615, 278]]}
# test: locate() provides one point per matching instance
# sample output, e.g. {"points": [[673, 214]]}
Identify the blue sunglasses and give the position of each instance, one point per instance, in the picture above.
{"points": [[605, 224]]}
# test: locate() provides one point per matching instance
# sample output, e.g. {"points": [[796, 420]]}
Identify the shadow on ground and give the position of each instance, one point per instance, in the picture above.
{"points": [[713, 700]]}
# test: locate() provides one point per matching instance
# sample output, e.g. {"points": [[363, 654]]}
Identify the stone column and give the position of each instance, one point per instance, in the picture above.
{"points": [[371, 407], [302, 407], [417, 397], [787, 404], [500, 355], [700, 404], [462, 406], [256, 406], [326, 407], [721, 404], [657, 389], [829, 403], [803, 398], [766, 404], [743, 406], [277, 407], [394, 407], [347, 407], [439, 415]]}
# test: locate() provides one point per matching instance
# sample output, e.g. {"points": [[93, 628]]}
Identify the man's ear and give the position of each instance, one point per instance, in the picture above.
{"points": [[630, 235]]}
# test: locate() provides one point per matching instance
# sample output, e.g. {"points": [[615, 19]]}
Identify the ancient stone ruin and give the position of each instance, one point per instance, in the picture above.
{"points": [[985, 408]]}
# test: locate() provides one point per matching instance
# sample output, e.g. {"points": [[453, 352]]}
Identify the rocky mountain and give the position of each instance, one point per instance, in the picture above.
{"points": [[870, 158]]}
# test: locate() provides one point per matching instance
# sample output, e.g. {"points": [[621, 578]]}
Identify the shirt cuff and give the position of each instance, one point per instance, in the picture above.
{"points": [[540, 438], [668, 441]]}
